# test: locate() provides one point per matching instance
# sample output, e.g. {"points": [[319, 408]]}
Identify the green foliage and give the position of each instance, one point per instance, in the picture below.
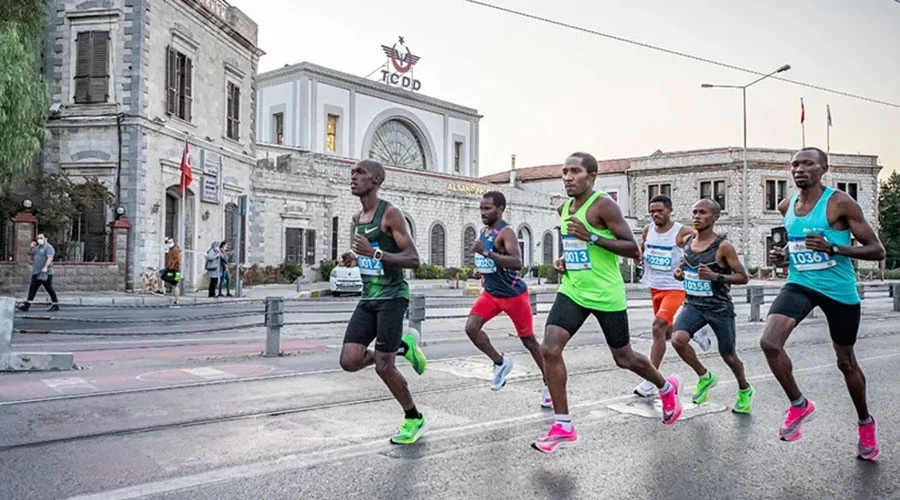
{"points": [[429, 272], [27, 16], [269, 275], [889, 219], [752, 271], [291, 272], [626, 267], [325, 268], [892, 274]]}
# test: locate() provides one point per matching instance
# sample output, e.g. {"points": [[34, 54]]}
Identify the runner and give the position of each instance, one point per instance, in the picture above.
{"points": [[594, 235], [710, 267], [661, 246], [820, 222], [382, 248], [497, 259]]}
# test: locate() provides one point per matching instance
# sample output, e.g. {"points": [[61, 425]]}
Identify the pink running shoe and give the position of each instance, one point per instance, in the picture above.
{"points": [[555, 438], [670, 403], [795, 416], [867, 449]]}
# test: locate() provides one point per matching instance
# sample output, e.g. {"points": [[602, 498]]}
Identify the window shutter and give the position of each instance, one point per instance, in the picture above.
{"points": [[99, 86], [82, 67], [188, 88], [236, 112], [171, 80], [310, 247]]}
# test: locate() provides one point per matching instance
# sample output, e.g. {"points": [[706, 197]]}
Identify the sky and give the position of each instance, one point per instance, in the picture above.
{"points": [[546, 91]]}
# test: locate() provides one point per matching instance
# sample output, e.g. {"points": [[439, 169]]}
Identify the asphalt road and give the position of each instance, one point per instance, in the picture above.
{"points": [[321, 433]]}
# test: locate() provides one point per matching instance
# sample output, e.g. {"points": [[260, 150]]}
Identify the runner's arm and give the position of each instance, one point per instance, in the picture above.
{"points": [[870, 247], [606, 212], [408, 256], [510, 245], [738, 274]]}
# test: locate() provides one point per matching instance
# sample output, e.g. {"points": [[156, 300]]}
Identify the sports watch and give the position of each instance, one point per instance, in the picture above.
{"points": [[595, 238], [833, 250], [377, 255]]}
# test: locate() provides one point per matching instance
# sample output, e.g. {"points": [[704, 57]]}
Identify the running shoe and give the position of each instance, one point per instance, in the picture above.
{"points": [[414, 355], [411, 430], [867, 448], [670, 403], [794, 418], [744, 400], [646, 389], [701, 338], [501, 371], [704, 384], [546, 401], [556, 437]]}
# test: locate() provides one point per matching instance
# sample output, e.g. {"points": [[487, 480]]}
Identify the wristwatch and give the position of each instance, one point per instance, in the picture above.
{"points": [[595, 238], [833, 250], [377, 255]]}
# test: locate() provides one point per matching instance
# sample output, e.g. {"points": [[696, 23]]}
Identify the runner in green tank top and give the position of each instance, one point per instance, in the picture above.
{"points": [[382, 248], [594, 235]]}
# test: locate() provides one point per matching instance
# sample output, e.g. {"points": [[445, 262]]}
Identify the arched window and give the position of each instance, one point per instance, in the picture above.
{"points": [[469, 236], [396, 144], [547, 248], [438, 253], [524, 235]]}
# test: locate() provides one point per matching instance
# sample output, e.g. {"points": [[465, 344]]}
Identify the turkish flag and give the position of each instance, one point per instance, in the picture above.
{"points": [[802, 112], [186, 174]]}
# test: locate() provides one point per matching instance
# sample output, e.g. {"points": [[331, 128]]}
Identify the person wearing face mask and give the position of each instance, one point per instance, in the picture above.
{"points": [[42, 273], [172, 272]]}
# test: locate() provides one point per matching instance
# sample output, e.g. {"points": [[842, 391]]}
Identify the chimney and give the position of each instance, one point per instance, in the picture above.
{"points": [[512, 172]]}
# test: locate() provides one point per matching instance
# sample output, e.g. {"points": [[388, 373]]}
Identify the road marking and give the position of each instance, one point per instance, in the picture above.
{"points": [[64, 384], [208, 373], [306, 460]]}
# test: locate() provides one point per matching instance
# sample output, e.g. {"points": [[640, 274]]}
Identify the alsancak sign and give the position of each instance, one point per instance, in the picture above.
{"points": [[400, 64]]}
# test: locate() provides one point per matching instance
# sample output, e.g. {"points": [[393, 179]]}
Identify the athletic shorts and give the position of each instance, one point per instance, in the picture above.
{"points": [[378, 320], [518, 309], [796, 301], [666, 304], [569, 316], [722, 322]]}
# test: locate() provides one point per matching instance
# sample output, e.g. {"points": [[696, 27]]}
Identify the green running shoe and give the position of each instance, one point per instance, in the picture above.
{"points": [[704, 384], [744, 398], [414, 355], [411, 430]]}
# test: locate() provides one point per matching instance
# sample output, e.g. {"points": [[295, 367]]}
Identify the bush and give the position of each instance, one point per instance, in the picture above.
{"points": [[429, 272], [325, 268], [892, 274], [291, 272], [752, 271], [552, 276], [544, 270], [466, 273], [450, 273], [262, 275], [626, 267]]}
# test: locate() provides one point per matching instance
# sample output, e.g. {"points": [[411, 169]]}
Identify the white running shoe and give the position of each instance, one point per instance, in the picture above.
{"points": [[501, 372], [646, 389], [702, 339], [546, 401]]}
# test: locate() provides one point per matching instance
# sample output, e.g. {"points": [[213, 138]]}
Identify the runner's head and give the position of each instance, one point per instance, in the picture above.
{"points": [[706, 213], [365, 177], [808, 166], [579, 173], [492, 206], [660, 209]]}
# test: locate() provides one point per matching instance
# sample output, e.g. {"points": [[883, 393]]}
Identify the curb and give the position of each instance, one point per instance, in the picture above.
{"points": [[312, 294]]}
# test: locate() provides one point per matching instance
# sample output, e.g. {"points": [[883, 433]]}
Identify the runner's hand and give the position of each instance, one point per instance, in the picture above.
{"points": [[362, 246], [476, 274], [477, 247], [577, 229], [777, 254], [348, 259], [817, 242], [705, 273], [679, 274], [560, 265]]}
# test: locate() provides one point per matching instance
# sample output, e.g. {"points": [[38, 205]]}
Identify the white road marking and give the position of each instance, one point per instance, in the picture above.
{"points": [[64, 384], [208, 373]]}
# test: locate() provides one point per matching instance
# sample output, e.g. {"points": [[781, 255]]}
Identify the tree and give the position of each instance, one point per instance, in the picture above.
{"points": [[889, 219]]}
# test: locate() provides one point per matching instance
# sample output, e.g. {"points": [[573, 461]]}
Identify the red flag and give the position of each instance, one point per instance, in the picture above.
{"points": [[186, 173], [802, 112]]}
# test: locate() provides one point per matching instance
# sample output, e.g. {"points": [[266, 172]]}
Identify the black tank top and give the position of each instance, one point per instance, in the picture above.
{"points": [[704, 294]]}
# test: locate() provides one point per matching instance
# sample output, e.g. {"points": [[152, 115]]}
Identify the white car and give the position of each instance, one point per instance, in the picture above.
{"points": [[345, 280]]}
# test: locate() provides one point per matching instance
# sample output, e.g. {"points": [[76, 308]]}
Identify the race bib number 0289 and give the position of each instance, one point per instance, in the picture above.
{"points": [[659, 258], [575, 252]]}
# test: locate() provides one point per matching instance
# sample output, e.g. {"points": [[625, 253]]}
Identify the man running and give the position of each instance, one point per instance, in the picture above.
{"points": [[710, 267], [382, 248], [497, 260], [820, 222], [661, 246], [594, 235]]}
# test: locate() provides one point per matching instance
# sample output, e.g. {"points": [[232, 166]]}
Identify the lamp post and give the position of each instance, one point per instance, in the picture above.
{"points": [[743, 88]]}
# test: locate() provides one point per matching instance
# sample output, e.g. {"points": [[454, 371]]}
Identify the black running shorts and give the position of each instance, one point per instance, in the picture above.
{"points": [[796, 301], [378, 320], [569, 316]]}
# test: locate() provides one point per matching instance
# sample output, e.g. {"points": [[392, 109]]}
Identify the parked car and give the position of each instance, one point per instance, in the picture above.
{"points": [[345, 280]]}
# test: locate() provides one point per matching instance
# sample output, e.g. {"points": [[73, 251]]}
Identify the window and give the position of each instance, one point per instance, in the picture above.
{"points": [[657, 189], [92, 67], [293, 245], [524, 236], [437, 245], [334, 238], [397, 144], [850, 188], [713, 190], [775, 192], [457, 156], [469, 236], [233, 110], [331, 133], [310, 253], [547, 248], [179, 84], [278, 127], [614, 195]]}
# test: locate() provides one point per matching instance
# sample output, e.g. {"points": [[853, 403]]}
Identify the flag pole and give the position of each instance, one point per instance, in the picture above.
{"points": [[828, 130], [802, 123]]}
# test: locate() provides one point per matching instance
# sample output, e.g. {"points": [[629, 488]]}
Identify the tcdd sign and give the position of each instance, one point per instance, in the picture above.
{"points": [[402, 62]]}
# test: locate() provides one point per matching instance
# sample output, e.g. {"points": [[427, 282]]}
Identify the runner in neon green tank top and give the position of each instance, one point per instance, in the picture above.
{"points": [[594, 235]]}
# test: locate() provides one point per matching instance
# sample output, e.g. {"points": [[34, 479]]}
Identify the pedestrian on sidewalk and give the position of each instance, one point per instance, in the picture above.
{"points": [[213, 269], [171, 274], [42, 253], [224, 253]]}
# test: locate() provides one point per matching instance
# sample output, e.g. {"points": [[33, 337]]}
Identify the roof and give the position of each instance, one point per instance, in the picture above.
{"points": [[618, 166]]}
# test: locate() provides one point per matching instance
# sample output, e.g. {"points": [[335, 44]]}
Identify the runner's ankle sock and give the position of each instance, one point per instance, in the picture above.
{"points": [[706, 375], [799, 402], [565, 420], [866, 421], [403, 349], [666, 388], [499, 363], [412, 413]]}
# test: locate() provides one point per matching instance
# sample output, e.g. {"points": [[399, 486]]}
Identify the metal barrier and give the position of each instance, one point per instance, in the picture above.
{"points": [[274, 322], [756, 297]]}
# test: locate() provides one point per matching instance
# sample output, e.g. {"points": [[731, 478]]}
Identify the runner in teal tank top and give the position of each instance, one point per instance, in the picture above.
{"points": [[820, 223], [594, 236]]}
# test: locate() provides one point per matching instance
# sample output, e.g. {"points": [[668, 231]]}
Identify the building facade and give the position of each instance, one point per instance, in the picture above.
{"points": [[133, 81]]}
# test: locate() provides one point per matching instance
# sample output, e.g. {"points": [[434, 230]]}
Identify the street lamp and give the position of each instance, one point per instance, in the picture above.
{"points": [[743, 88]]}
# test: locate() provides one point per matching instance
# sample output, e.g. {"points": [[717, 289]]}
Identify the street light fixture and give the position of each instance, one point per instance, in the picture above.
{"points": [[746, 246], [27, 204]]}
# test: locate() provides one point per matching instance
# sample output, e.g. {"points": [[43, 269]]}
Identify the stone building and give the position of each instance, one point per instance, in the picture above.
{"points": [[130, 82]]}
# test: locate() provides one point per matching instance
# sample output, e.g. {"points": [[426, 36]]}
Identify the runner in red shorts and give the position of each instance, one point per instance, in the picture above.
{"points": [[497, 259]]}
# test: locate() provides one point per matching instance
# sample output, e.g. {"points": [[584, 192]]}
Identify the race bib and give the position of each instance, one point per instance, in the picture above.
{"points": [[659, 258], [693, 285], [804, 259], [484, 264], [575, 252], [369, 266]]}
